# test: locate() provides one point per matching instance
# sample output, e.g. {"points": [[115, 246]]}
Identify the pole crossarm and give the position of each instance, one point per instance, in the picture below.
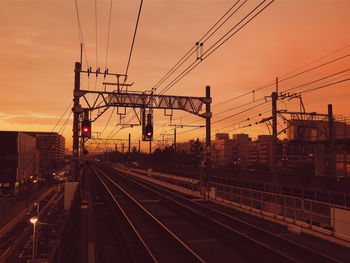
{"points": [[106, 99], [303, 113]]}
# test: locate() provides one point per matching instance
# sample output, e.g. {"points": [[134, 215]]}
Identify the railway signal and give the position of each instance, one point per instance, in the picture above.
{"points": [[86, 129], [148, 132]]}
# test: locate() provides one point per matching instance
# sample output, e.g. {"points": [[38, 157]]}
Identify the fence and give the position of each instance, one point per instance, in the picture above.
{"points": [[328, 216]]}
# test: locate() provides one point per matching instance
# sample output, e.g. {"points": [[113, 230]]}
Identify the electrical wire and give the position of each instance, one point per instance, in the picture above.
{"points": [[324, 86], [134, 37], [217, 44], [226, 118], [64, 113], [110, 116], [285, 77], [63, 127], [193, 49], [81, 37], [96, 44], [244, 111], [317, 80], [109, 30]]}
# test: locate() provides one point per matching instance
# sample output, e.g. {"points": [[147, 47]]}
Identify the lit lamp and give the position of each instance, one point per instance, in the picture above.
{"points": [[34, 221], [37, 208]]}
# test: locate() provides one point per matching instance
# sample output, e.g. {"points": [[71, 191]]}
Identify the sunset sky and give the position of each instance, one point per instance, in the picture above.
{"points": [[39, 43]]}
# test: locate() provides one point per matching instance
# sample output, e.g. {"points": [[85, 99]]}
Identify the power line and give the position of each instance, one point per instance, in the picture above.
{"points": [[194, 48], [317, 80], [81, 37], [64, 113], [109, 29], [216, 45], [134, 37], [243, 111], [226, 118], [316, 60], [287, 78], [96, 35], [110, 116], [259, 99], [63, 127], [214, 31], [324, 86]]}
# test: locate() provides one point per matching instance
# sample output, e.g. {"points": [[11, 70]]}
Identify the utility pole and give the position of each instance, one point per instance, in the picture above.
{"points": [[331, 138], [139, 145], [129, 145], [76, 113], [208, 136], [150, 154], [175, 138], [274, 97]]}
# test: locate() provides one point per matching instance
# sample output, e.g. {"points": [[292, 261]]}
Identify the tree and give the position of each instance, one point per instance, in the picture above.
{"points": [[197, 152]]}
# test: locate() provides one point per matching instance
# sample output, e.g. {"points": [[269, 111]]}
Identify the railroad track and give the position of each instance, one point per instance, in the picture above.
{"points": [[223, 237], [15, 253], [158, 243], [260, 241]]}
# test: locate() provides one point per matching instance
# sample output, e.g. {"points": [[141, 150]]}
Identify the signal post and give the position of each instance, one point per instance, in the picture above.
{"points": [[120, 98]]}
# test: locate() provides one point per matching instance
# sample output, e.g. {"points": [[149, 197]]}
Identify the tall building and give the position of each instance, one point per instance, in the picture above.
{"points": [[241, 147], [18, 160], [51, 146], [222, 150], [265, 150], [315, 132]]}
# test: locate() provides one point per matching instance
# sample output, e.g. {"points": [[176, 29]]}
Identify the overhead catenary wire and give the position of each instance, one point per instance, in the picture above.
{"points": [[317, 80], [226, 118], [217, 44], [245, 110], [96, 37], [81, 37], [287, 77], [64, 113], [133, 38], [109, 119], [108, 34], [63, 127], [324, 86], [193, 49]]}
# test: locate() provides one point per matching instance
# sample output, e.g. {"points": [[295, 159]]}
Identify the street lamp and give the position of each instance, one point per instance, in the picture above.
{"points": [[34, 221], [37, 208]]}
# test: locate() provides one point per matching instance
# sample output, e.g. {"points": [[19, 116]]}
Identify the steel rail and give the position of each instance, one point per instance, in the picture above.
{"points": [[137, 233], [167, 230], [311, 251]]}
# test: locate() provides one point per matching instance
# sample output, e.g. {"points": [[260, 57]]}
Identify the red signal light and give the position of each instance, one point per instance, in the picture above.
{"points": [[148, 132], [86, 128]]}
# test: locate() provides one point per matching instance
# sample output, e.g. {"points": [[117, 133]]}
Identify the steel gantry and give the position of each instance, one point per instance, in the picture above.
{"points": [[120, 98]]}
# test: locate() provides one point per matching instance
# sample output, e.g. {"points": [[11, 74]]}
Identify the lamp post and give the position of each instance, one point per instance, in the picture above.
{"points": [[34, 221], [37, 208]]}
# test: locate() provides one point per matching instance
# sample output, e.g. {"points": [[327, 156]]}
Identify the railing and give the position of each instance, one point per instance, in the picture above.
{"points": [[337, 198], [331, 217]]}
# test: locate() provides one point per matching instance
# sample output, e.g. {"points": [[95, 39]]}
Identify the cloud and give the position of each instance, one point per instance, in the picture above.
{"points": [[30, 119]]}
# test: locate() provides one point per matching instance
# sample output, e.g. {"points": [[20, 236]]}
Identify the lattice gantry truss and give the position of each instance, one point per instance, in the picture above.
{"points": [[105, 99]]}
